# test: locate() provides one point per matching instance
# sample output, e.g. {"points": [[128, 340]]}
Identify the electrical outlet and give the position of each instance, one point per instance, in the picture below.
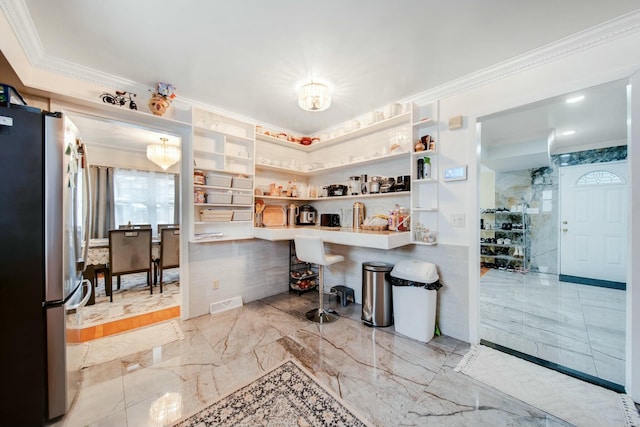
{"points": [[457, 220], [216, 284]]}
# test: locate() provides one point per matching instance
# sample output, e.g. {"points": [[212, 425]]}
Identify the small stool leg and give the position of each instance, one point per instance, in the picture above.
{"points": [[320, 315]]}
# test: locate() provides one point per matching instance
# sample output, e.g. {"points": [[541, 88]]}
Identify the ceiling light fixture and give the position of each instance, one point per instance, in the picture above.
{"points": [[314, 97], [163, 155], [574, 99], [568, 133]]}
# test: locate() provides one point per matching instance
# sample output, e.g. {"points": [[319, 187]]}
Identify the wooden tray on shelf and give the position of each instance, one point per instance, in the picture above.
{"points": [[274, 216]]}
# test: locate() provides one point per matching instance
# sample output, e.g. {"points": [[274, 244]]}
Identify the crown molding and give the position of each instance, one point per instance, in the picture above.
{"points": [[18, 16], [595, 36]]}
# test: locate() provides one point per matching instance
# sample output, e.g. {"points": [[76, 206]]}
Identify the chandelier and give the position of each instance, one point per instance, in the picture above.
{"points": [[163, 155], [314, 97]]}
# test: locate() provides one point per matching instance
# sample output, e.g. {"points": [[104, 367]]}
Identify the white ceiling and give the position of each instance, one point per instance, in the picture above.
{"points": [[248, 56], [518, 138]]}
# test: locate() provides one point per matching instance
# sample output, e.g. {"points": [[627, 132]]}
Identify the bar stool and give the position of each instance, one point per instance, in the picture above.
{"points": [[311, 249]]}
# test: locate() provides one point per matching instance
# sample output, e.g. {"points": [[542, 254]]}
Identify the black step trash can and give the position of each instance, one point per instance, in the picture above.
{"points": [[415, 284], [377, 304]]}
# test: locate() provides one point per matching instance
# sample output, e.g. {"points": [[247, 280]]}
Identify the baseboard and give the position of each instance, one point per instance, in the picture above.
{"points": [[593, 282]]}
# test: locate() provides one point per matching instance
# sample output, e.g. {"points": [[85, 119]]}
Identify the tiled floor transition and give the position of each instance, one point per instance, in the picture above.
{"points": [[387, 378]]}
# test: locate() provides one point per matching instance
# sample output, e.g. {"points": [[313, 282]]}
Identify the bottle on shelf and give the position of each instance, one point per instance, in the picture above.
{"points": [[420, 168], [427, 168]]}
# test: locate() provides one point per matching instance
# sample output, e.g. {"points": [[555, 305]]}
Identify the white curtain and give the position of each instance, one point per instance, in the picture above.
{"points": [[143, 197]]}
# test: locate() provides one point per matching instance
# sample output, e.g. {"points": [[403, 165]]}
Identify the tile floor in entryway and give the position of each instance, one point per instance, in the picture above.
{"points": [[576, 326]]}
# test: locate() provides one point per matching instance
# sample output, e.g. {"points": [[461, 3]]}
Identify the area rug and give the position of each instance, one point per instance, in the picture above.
{"points": [[118, 346], [562, 396], [285, 396]]}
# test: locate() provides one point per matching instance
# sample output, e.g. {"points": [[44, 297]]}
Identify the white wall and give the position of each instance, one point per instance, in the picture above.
{"points": [[603, 63], [633, 275], [252, 269], [127, 159]]}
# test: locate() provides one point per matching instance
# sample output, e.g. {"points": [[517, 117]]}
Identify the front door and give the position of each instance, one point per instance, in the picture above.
{"points": [[593, 222]]}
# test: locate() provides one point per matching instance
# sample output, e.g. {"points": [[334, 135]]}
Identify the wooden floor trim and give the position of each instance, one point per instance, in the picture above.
{"points": [[122, 325]]}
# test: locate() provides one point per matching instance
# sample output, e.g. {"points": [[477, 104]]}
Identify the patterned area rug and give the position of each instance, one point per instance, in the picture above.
{"points": [[285, 396], [572, 400]]}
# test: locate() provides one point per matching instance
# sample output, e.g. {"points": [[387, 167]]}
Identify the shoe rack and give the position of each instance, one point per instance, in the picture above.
{"points": [[504, 239]]}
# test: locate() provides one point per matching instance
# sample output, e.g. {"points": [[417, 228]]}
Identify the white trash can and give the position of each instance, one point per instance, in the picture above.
{"points": [[415, 287]]}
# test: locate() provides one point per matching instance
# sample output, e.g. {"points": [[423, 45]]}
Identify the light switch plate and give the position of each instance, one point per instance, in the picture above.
{"points": [[457, 220]]}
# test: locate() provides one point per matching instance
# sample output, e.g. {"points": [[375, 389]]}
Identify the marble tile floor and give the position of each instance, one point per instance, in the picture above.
{"points": [[387, 378], [577, 326]]}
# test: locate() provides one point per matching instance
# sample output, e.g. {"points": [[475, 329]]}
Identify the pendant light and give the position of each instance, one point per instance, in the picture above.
{"points": [[163, 155]]}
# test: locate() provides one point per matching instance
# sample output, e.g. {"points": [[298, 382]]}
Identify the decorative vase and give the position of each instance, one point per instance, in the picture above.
{"points": [[158, 104]]}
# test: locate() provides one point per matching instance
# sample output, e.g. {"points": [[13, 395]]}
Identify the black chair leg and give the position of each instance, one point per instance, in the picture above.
{"points": [[108, 287], [160, 280]]}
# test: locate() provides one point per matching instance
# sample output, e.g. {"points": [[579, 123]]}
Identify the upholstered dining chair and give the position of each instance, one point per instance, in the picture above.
{"points": [[161, 226], [169, 251], [129, 252], [134, 226], [311, 249]]}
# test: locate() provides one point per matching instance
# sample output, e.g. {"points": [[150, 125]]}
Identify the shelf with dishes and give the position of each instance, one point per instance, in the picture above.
{"points": [[317, 169], [341, 136], [335, 198]]}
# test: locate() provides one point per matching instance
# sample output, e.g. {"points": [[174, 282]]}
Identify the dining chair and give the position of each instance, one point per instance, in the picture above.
{"points": [[169, 252], [134, 226], [129, 252], [161, 226]]}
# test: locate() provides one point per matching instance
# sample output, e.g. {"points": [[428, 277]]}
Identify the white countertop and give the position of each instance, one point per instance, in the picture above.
{"points": [[340, 236]]}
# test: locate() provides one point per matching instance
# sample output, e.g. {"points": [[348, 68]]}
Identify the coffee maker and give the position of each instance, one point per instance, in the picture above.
{"points": [[307, 215]]}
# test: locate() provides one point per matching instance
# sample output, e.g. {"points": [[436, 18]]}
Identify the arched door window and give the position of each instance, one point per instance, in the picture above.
{"points": [[600, 178]]}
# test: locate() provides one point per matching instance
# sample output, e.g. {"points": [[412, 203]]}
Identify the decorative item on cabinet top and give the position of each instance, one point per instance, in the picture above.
{"points": [[161, 99], [120, 98]]}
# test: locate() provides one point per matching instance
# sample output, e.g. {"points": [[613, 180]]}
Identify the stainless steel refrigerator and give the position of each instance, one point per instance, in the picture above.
{"points": [[44, 210]]}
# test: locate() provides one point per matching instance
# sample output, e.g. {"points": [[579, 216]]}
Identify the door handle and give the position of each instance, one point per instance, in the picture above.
{"points": [[565, 230]]}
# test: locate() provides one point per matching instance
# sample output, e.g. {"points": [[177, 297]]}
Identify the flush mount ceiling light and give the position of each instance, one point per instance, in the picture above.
{"points": [[314, 97], [163, 155]]}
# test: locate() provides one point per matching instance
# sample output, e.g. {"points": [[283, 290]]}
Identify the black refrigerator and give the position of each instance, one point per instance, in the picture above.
{"points": [[44, 199]]}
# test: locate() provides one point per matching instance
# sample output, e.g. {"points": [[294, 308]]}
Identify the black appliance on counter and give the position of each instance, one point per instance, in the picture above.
{"points": [[403, 183], [40, 263], [329, 220], [307, 215], [337, 190]]}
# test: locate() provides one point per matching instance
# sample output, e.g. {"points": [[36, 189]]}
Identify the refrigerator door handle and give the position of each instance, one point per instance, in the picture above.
{"points": [[84, 300], [88, 200]]}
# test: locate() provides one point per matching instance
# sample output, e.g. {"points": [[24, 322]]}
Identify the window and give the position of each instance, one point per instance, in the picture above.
{"points": [[599, 177], [143, 197]]}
